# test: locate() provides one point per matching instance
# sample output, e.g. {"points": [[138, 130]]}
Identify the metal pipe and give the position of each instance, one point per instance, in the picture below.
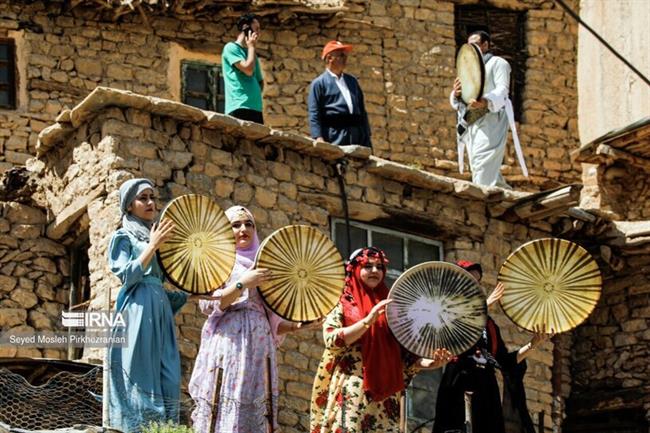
{"points": [[341, 164]]}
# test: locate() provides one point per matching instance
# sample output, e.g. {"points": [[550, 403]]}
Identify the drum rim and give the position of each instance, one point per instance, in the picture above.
{"points": [[563, 241], [168, 277], [479, 57], [450, 266], [256, 262]]}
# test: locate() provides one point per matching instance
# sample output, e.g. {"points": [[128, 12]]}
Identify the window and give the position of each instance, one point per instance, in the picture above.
{"points": [[506, 28], [403, 251], [202, 86], [79, 284], [7, 74]]}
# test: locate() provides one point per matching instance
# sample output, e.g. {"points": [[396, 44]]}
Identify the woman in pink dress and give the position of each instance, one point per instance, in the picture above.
{"points": [[239, 337]]}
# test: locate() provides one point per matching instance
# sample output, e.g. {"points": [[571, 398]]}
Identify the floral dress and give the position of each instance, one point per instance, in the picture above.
{"points": [[339, 404]]}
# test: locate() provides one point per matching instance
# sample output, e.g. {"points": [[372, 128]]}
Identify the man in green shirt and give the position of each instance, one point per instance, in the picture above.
{"points": [[242, 73]]}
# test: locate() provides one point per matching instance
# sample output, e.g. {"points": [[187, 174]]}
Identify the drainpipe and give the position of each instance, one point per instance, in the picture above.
{"points": [[340, 167]]}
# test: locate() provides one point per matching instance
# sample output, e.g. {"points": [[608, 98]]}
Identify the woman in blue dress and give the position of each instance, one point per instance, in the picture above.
{"points": [[145, 374]]}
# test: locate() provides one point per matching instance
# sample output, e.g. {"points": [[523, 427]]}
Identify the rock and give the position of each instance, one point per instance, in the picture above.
{"points": [[11, 317], [177, 160], [26, 231], [45, 246], [50, 136], [39, 320], [7, 283], [23, 214], [44, 291], [156, 169], [25, 298], [265, 198]]}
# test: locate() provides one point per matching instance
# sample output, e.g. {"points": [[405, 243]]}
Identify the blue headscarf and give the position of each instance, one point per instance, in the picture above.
{"points": [[131, 223]]}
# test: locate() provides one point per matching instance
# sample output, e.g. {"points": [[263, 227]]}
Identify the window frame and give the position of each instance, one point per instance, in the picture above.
{"points": [[379, 229], [369, 228], [216, 97], [12, 73]]}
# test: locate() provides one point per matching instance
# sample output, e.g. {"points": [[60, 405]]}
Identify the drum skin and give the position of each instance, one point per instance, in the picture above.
{"points": [[470, 69], [308, 273], [436, 305], [550, 282], [200, 254]]}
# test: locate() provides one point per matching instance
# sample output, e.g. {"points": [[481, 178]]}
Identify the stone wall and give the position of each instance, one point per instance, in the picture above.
{"points": [[404, 58], [282, 183], [620, 191], [34, 278], [610, 369]]}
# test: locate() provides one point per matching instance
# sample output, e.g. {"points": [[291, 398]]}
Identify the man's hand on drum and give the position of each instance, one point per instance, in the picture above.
{"points": [[457, 88], [481, 103], [440, 358]]}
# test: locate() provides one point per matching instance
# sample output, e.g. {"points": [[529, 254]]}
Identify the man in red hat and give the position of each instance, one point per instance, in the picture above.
{"points": [[337, 113]]}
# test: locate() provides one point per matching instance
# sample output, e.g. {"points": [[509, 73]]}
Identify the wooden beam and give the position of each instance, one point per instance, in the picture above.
{"points": [[621, 155], [64, 220], [554, 203], [142, 13], [581, 214]]}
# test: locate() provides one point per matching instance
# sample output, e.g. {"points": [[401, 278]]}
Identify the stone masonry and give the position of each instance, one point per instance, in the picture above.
{"points": [[404, 58], [284, 179], [34, 277]]}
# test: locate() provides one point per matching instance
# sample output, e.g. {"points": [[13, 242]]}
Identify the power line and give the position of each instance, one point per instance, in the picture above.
{"points": [[576, 17]]}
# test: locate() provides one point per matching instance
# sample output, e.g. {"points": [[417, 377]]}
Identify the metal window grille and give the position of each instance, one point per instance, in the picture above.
{"points": [[202, 86]]}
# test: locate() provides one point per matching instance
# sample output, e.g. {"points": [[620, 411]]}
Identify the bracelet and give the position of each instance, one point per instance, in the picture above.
{"points": [[239, 285], [365, 324]]}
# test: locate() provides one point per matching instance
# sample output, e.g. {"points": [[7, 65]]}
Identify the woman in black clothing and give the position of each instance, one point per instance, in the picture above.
{"points": [[475, 370]]}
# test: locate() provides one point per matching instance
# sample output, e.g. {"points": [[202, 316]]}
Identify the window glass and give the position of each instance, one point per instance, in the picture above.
{"points": [[7, 74], [419, 252], [202, 85], [197, 80]]}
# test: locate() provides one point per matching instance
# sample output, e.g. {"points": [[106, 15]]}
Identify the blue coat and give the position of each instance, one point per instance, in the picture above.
{"points": [[329, 116], [145, 376]]}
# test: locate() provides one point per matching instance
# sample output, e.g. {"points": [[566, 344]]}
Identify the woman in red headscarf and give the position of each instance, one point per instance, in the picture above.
{"points": [[363, 370]]}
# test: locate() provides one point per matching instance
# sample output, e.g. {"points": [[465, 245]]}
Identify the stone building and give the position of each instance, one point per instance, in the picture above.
{"points": [[407, 197], [284, 179], [404, 58]]}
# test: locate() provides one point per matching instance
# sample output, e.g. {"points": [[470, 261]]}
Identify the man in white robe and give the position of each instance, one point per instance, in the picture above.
{"points": [[486, 137]]}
